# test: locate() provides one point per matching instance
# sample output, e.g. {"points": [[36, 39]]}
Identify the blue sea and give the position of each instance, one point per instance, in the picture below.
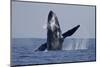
{"points": [[74, 50]]}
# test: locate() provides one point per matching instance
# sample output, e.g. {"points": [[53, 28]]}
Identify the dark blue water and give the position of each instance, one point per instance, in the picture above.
{"points": [[74, 50]]}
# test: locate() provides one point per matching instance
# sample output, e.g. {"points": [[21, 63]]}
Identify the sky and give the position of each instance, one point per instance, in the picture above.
{"points": [[29, 19]]}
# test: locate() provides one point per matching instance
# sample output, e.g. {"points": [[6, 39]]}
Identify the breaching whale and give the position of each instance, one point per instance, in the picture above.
{"points": [[55, 37]]}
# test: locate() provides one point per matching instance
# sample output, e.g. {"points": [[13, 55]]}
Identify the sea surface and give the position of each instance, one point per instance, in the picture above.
{"points": [[74, 50]]}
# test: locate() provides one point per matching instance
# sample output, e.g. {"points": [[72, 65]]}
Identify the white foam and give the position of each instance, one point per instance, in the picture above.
{"points": [[45, 26]]}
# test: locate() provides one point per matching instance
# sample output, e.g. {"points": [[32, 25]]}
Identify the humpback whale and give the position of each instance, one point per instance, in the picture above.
{"points": [[55, 37]]}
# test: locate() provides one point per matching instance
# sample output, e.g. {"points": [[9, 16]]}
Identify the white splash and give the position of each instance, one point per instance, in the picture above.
{"points": [[76, 44], [45, 26]]}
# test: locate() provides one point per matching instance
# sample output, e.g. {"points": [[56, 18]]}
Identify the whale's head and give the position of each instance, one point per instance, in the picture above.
{"points": [[52, 23]]}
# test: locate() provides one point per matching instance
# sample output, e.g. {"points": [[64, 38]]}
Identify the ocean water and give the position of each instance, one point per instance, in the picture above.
{"points": [[74, 50]]}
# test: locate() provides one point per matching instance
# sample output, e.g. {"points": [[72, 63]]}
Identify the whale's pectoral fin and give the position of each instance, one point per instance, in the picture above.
{"points": [[70, 32], [42, 47]]}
